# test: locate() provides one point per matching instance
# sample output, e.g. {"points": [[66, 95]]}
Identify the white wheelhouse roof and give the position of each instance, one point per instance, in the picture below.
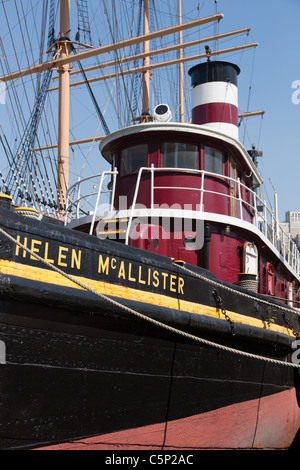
{"points": [[195, 129]]}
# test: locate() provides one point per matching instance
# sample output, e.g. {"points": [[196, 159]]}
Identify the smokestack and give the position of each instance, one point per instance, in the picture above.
{"points": [[215, 96]]}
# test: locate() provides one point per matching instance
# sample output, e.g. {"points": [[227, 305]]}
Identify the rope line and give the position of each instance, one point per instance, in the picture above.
{"points": [[144, 317], [243, 294]]}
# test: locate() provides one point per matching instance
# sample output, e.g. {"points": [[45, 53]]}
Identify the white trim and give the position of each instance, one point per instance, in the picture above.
{"points": [[229, 129], [181, 127], [266, 223], [214, 92], [205, 216], [251, 259]]}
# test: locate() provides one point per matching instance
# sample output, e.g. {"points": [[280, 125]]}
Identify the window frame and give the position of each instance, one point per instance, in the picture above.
{"points": [[223, 156], [182, 142], [121, 160]]}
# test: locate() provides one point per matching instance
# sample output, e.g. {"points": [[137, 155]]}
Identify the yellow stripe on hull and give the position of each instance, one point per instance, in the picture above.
{"points": [[11, 268]]}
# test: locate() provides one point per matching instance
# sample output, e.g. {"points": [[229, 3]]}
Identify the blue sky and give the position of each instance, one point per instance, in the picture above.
{"points": [[275, 26], [270, 69]]}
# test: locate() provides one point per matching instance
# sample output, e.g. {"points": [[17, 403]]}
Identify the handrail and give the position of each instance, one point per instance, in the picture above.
{"points": [[134, 201], [284, 244], [77, 203], [262, 217]]}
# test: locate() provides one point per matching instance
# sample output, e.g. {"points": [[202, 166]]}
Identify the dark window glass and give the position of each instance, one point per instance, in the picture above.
{"points": [[179, 155], [213, 160], [133, 158]]}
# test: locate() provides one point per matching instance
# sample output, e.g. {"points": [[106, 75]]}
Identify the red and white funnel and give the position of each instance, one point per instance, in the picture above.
{"points": [[215, 96]]}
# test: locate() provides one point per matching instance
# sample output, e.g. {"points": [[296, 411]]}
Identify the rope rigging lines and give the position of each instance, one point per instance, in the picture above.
{"points": [[31, 178], [28, 179]]}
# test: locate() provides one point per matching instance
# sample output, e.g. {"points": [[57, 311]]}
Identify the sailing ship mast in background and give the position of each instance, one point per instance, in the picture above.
{"points": [[180, 54], [146, 74], [66, 57], [64, 86], [64, 45]]}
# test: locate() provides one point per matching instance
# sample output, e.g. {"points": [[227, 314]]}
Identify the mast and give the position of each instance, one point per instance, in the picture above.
{"points": [[181, 104], [92, 52], [64, 45], [161, 64], [146, 74]]}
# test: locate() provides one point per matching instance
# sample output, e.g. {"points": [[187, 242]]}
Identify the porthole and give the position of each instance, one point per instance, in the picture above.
{"points": [[189, 243], [155, 243]]}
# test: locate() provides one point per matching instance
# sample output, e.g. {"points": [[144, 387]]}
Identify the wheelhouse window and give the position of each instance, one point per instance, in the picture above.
{"points": [[213, 160], [133, 158], [179, 155]]}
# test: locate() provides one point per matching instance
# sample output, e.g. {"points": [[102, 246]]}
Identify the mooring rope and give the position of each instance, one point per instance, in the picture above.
{"points": [[230, 289], [144, 317]]}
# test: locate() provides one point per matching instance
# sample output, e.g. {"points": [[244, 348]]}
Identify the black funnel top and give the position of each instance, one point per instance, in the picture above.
{"points": [[216, 71]]}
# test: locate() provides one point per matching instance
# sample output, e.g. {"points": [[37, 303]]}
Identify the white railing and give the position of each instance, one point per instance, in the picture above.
{"points": [[265, 220], [80, 204]]}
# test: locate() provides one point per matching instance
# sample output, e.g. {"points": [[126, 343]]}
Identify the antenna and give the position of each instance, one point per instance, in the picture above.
{"points": [[208, 52]]}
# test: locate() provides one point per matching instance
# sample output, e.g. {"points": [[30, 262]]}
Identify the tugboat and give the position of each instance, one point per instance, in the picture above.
{"points": [[168, 319]]}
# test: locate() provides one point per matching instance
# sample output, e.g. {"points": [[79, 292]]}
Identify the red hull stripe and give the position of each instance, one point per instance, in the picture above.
{"points": [[272, 423], [215, 112]]}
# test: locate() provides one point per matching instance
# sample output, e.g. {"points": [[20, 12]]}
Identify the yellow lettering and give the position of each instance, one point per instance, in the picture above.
{"points": [[180, 285], [33, 247], [155, 276], [25, 244], [122, 270], [113, 263], [129, 274], [164, 275], [76, 258], [141, 281], [103, 266], [172, 283], [46, 254], [17, 246], [62, 256], [149, 276]]}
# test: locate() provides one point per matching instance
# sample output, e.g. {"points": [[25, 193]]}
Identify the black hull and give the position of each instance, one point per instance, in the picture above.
{"points": [[79, 366]]}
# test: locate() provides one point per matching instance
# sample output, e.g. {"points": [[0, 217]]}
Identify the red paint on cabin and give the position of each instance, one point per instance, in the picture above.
{"points": [[193, 171], [190, 168], [203, 181], [183, 187]]}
